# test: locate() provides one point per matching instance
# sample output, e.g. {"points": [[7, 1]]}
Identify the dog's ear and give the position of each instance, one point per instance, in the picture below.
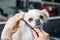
{"points": [[45, 13]]}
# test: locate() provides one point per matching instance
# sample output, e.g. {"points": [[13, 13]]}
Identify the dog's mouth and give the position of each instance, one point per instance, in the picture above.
{"points": [[38, 26]]}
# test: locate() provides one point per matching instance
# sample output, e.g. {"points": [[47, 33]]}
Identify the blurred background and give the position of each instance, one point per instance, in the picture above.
{"points": [[9, 8]]}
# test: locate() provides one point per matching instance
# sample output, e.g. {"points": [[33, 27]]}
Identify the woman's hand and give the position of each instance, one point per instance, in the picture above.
{"points": [[42, 34], [11, 26]]}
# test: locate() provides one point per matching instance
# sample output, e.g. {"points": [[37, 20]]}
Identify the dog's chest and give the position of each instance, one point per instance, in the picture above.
{"points": [[27, 34]]}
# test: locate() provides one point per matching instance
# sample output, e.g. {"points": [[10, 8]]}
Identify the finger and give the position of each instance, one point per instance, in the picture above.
{"points": [[45, 33], [19, 14], [18, 18], [37, 30], [34, 34], [41, 29]]}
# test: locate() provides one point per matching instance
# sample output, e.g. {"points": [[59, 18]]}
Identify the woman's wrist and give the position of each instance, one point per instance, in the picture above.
{"points": [[6, 34]]}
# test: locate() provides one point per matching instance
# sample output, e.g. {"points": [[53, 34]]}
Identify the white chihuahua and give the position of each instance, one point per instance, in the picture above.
{"points": [[35, 18]]}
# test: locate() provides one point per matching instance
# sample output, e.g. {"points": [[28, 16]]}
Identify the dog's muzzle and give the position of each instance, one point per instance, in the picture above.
{"points": [[37, 21]]}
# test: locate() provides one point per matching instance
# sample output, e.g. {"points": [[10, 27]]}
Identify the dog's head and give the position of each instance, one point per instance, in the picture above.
{"points": [[36, 17]]}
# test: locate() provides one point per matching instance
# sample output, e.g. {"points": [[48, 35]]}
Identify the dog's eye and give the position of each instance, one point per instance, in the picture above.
{"points": [[30, 19], [41, 17]]}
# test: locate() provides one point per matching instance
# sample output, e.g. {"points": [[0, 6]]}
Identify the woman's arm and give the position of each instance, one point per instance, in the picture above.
{"points": [[11, 27]]}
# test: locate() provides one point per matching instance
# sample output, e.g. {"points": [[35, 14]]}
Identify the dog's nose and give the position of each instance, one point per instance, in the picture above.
{"points": [[37, 21]]}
